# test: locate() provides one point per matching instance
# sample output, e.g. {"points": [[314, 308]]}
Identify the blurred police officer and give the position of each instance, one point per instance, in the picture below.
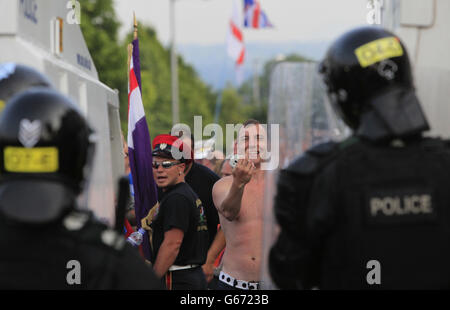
{"points": [[45, 242], [372, 211]]}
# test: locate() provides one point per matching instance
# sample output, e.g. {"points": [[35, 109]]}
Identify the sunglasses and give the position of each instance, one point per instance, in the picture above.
{"points": [[165, 164]]}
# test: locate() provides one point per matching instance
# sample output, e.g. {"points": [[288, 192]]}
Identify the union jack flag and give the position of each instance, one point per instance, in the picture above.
{"points": [[254, 16]]}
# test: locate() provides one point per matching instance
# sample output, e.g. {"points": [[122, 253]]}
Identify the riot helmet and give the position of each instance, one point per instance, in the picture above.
{"points": [[370, 85], [15, 78], [45, 148]]}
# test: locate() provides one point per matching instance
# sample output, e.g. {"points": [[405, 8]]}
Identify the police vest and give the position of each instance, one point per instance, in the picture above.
{"points": [[389, 204]]}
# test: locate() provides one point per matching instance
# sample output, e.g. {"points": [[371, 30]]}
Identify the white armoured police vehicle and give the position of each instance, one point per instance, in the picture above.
{"points": [[45, 34]]}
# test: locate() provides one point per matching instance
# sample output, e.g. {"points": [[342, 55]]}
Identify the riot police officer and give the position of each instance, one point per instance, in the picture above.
{"points": [[46, 147], [372, 211]]}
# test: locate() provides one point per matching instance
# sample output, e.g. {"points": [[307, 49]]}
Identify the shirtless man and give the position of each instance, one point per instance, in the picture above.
{"points": [[239, 200]]}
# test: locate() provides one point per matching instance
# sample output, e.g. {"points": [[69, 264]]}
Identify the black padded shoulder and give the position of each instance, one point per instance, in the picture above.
{"points": [[87, 230], [435, 143], [313, 159]]}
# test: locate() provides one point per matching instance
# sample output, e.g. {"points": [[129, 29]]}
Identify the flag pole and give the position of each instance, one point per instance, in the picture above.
{"points": [[140, 151], [130, 46], [174, 67], [135, 26], [130, 54]]}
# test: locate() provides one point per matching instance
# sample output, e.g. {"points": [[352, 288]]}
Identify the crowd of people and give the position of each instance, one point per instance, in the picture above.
{"points": [[378, 196], [197, 187]]}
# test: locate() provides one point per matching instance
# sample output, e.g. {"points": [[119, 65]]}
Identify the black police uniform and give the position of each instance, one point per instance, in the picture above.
{"points": [[372, 211], [75, 252], [46, 146], [344, 205], [180, 208]]}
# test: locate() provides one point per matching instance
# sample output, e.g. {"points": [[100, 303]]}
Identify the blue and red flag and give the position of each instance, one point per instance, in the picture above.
{"points": [[140, 149], [254, 16]]}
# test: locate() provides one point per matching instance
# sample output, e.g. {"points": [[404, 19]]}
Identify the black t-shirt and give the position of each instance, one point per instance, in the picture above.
{"points": [[201, 179], [181, 208], [50, 257]]}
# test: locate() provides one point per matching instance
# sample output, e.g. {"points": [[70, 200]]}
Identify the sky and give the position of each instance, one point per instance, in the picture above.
{"points": [[205, 22]]}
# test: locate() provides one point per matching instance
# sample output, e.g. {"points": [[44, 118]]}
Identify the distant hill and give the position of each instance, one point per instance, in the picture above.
{"points": [[216, 68]]}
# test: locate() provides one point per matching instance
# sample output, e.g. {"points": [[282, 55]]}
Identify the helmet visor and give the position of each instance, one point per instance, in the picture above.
{"points": [[34, 201]]}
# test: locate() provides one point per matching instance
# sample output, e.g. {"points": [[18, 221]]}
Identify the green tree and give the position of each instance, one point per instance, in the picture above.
{"points": [[100, 29], [195, 97], [233, 111]]}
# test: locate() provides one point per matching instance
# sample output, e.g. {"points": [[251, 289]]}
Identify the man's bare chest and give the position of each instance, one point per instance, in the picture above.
{"points": [[252, 202]]}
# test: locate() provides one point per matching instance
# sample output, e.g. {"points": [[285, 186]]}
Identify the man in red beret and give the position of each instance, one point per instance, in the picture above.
{"points": [[179, 228]]}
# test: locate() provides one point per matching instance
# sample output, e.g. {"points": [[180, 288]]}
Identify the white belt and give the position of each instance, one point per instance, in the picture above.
{"points": [[176, 267], [240, 284]]}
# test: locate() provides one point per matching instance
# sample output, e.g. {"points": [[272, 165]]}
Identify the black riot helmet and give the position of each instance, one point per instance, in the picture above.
{"points": [[15, 78], [370, 85], [45, 148]]}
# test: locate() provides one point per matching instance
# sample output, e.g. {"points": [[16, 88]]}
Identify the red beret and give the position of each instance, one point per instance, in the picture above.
{"points": [[163, 144], [166, 139]]}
